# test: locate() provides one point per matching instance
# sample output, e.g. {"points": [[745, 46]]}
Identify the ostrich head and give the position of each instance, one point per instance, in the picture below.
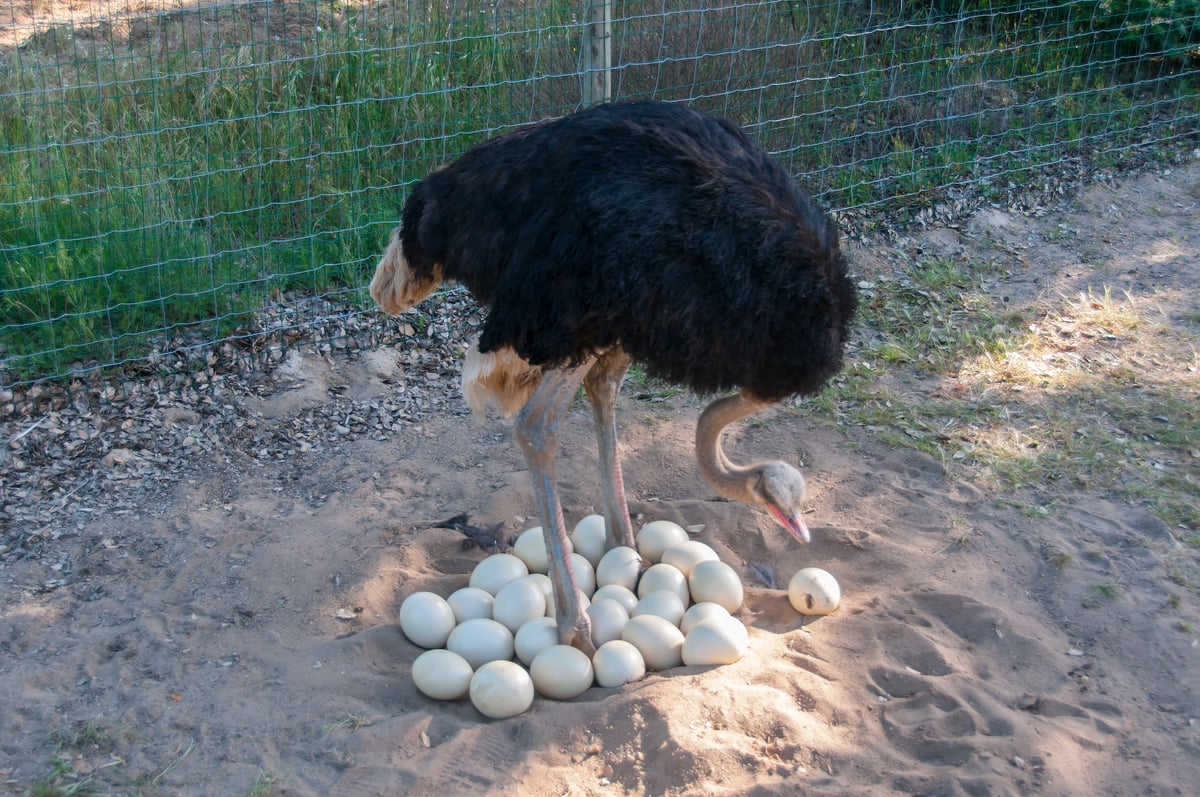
{"points": [[780, 489], [775, 486]]}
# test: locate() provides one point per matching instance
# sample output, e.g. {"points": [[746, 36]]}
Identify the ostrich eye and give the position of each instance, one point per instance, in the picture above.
{"points": [[760, 487]]}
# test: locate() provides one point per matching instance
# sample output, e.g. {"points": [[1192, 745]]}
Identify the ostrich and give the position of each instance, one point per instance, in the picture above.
{"points": [[629, 231]]}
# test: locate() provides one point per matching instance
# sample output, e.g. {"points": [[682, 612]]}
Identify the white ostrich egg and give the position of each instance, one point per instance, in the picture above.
{"points": [[561, 672], [659, 642], [664, 576], [589, 538], [533, 637], [585, 574], [497, 570], [716, 582], [608, 618], [547, 586], [662, 603], [470, 603], [501, 689], [814, 591], [701, 611], [620, 566], [426, 619], [480, 641], [518, 602], [686, 555], [616, 592], [717, 640], [530, 548], [442, 674], [617, 663], [657, 536]]}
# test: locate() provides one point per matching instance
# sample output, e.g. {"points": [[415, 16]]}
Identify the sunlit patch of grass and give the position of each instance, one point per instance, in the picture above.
{"points": [[1109, 397], [1099, 391], [1089, 338]]}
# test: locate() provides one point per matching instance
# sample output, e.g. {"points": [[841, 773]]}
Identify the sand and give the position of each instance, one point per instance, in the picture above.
{"points": [[197, 646]]}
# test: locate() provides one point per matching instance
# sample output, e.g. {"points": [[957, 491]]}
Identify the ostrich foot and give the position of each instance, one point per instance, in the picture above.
{"points": [[580, 635]]}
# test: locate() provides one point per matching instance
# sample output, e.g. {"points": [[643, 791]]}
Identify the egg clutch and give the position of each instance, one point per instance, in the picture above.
{"points": [[679, 611]]}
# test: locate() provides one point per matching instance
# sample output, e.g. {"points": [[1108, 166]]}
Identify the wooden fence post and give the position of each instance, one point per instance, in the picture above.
{"points": [[597, 52]]}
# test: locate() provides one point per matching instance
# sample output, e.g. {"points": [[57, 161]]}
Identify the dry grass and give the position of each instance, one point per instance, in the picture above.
{"points": [[1097, 391]]}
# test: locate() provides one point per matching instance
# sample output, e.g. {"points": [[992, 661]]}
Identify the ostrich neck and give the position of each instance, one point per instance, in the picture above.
{"points": [[728, 479]]}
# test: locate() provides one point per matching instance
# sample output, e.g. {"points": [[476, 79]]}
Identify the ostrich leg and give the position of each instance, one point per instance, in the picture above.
{"points": [[536, 432], [602, 383]]}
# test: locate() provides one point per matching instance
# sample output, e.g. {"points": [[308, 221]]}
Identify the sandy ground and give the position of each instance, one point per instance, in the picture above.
{"points": [[193, 644]]}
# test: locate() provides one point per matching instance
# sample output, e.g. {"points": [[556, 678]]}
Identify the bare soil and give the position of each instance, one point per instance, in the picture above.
{"points": [[217, 615]]}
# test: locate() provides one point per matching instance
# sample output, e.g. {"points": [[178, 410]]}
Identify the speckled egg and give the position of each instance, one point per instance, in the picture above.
{"points": [[814, 591]]}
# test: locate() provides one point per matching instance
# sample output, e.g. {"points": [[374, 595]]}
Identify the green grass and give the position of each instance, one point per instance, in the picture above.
{"points": [[171, 183], [263, 784], [85, 739], [198, 184], [1095, 392]]}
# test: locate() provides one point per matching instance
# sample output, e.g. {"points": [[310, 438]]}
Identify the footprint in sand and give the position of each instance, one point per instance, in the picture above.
{"points": [[949, 683], [931, 727], [1093, 724]]}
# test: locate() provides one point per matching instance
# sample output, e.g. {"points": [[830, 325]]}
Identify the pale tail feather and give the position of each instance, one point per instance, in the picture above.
{"points": [[500, 378], [394, 288]]}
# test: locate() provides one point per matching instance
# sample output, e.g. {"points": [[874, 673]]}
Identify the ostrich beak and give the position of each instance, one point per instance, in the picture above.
{"points": [[794, 524]]}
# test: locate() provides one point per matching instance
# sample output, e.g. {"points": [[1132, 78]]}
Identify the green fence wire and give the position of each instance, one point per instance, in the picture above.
{"points": [[172, 173]]}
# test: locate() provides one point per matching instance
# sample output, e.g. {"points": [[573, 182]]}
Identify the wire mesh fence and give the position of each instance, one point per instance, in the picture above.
{"points": [[180, 178]]}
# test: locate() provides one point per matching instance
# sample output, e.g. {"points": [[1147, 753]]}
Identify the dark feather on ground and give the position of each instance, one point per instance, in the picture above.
{"points": [[764, 573], [488, 538]]}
